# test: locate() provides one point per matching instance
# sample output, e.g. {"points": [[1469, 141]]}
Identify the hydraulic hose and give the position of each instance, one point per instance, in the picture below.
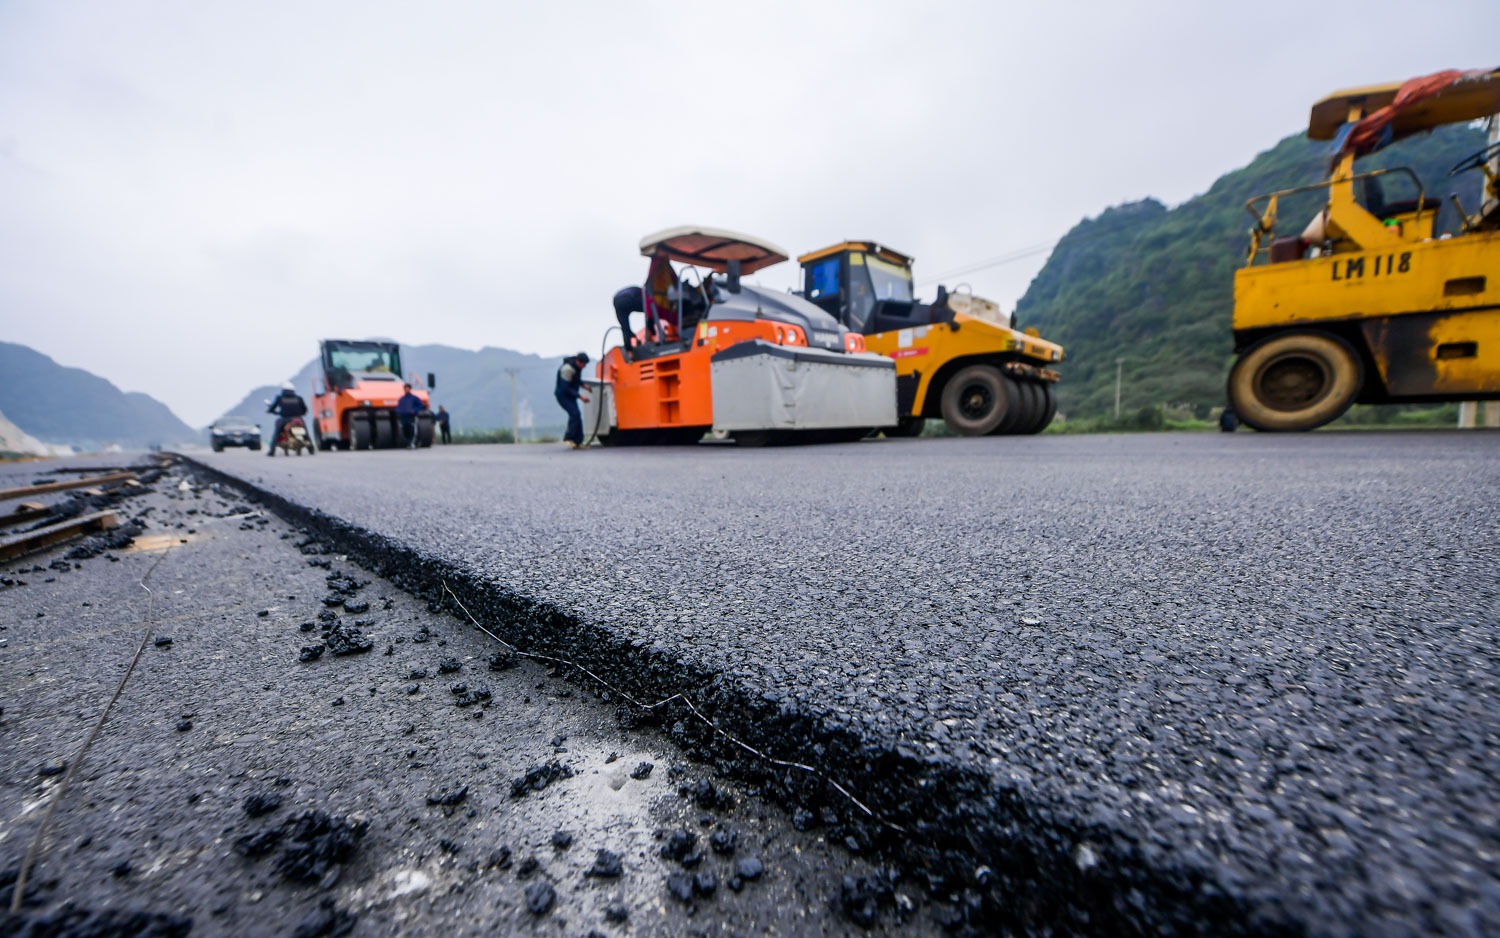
{"points": [[599, 413]]}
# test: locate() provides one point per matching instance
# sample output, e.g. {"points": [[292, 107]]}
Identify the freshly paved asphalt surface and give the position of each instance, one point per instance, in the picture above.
{"points": [[1176, 682]]}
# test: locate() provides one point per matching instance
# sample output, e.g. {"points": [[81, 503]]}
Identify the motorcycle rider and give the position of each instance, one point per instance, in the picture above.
{"points": [[288, 406]]}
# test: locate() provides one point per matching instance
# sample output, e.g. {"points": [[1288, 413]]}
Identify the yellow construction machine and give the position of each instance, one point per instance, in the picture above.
{"points": [[957, 357], [1368, 303]]}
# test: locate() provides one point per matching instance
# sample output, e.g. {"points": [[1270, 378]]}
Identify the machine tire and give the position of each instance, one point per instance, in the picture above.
{"points": [[1049, 399], [385, 436], [906, 427], [975, 401], [359, 433], [1014, 411], [1025, 407], [426, 428], [216, 447], [1031, 410], [1295, 381], [1043, 405], [255, 447]]}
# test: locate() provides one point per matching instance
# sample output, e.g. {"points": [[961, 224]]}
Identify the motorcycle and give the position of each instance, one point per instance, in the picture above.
{"points": [[293, 438]]}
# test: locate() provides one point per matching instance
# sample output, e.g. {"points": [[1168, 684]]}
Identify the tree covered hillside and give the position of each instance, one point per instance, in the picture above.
{"points": [[1155, 286]]}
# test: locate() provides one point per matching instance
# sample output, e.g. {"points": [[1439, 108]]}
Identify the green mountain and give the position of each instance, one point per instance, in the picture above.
{"points": [[474, 386], [57, 404], [1154, 286]]}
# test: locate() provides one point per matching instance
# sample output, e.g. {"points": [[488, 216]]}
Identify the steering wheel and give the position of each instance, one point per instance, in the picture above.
{"points": [[1475, 160]]}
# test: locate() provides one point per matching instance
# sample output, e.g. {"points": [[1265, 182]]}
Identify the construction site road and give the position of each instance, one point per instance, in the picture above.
{"points": [[1160, 683]]}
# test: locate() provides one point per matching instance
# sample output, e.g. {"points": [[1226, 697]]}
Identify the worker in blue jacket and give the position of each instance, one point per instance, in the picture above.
{"points": [[569, 392], [406, 411]]}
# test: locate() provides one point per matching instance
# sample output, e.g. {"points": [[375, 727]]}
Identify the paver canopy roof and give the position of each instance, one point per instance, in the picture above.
{"points": [[713, 248]]}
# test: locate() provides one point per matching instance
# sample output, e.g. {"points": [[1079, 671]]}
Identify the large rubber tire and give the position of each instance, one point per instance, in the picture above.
{"points": [[385, 434], [216, 447], [1036, 407], [906, 427], [1295, 381], [426, 428], [975, 400], [1040, 406], [1049, 399], [1026, 406], [1015, 412], [359, 433]]}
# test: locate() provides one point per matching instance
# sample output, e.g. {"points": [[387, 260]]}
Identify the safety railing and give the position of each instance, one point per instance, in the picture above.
{"points": [[1265, 219]]}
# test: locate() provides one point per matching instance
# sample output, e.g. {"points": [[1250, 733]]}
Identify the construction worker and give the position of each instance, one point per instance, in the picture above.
{"points": [[442, 422], [628, 300], [286, 407], [406, 411], [568, 393]]}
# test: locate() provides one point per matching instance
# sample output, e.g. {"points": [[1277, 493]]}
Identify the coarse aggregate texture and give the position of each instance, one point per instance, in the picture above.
{"points": [[238, 790], [1166, 683]]}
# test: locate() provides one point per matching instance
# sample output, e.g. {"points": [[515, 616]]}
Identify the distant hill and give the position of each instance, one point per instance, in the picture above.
{"points": [[57, 404], [1155, 286], [473, 386]]}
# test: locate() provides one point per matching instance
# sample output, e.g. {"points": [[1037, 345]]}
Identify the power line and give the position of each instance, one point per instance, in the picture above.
{"points": [[1011, 257]]}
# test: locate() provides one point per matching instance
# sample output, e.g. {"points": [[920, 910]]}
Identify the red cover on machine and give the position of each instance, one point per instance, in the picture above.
{"points": [[1366, 135]]}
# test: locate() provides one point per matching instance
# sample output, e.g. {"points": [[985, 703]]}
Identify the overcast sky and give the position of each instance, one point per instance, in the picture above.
{"points": [[193, 193]]}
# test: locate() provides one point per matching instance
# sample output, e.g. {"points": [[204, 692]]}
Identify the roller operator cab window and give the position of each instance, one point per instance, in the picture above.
{"points": [[890, 281], [873, 280], [366, 359]]}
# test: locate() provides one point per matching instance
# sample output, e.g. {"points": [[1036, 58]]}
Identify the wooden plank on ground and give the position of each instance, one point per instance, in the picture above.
{"points": [[26, 511], [45, 487], [19, 545]]}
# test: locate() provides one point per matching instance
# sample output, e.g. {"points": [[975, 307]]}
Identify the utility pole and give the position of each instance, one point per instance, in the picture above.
{"points": [[515, 408], [1119, 372]]}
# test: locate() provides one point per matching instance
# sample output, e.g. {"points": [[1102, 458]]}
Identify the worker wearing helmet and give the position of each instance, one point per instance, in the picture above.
{"points": [[569, 392], [288, 406]]}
